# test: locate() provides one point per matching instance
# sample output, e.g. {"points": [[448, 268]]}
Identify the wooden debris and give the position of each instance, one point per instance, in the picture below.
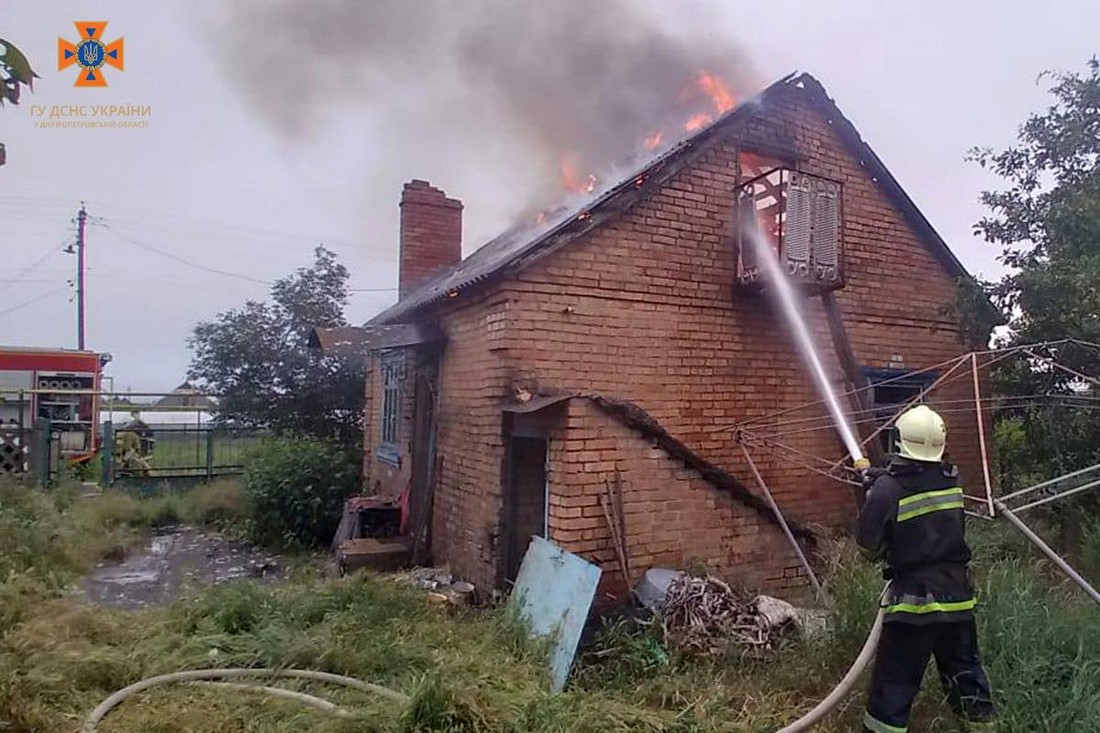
{"points": [[613, 527], [705, 615]]}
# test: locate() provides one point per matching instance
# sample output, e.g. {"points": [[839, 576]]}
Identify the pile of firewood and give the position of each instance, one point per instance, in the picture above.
{"points": [[705, 616]]}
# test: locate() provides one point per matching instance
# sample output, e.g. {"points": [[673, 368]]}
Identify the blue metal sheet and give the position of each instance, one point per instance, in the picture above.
{"points": [[553, 594]]}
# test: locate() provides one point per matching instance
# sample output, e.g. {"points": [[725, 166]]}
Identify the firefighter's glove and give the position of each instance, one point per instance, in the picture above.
{"points": [[869, 475]]}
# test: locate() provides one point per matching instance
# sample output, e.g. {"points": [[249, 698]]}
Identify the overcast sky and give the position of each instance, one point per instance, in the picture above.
{"points": [[220, 180]]}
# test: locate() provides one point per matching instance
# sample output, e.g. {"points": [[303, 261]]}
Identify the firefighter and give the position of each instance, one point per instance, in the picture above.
{"points": [[912, 518]]}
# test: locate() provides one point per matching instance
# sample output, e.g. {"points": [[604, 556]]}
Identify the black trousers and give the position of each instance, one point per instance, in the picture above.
{"points": [[903, 653]]}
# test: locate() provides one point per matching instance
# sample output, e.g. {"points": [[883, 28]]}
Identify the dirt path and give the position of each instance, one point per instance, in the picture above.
{"points": [[173, 563]]}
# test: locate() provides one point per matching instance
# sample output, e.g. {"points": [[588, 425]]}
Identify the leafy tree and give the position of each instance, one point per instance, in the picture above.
{"points": [[1047, 224], [256, 358], [14, 71]]}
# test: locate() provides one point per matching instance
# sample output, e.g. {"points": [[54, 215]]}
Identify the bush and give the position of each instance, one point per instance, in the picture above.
{"points": [[220, 504], [296, 487]]}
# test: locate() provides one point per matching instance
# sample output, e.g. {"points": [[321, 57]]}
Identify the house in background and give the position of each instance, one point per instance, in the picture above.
{"points": [[184, 406], [617, 343]]}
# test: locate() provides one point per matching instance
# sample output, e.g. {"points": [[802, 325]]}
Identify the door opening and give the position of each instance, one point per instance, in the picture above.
{"points": [[529, 498]]}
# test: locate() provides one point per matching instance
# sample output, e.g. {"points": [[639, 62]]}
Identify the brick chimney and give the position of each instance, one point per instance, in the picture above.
{"points": [[431, 234]]}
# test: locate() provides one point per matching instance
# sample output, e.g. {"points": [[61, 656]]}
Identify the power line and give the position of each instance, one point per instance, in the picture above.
{"points": [[32, 301], [182, 261], [5, 284], [191, 222], [216, 271]]}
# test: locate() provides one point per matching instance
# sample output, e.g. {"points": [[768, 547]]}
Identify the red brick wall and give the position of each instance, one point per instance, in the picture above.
{"points": [[474, 382], [644, 307], [674, 518]]}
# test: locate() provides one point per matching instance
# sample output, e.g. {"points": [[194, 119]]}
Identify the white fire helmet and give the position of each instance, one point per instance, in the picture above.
{"points": [[921, 434]]}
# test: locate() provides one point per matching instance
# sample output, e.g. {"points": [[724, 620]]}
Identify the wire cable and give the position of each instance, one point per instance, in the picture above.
{"points": [[32, 301], [213, 270], [4, 284], [175, 258]]}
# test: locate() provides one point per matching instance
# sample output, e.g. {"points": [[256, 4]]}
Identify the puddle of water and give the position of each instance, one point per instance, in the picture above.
{"points": [[176, 563]]}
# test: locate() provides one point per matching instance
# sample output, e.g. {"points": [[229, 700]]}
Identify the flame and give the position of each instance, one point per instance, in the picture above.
{"points": [[697, 122], [717, 90], [716, 93], [720, 98], [572, 181]]}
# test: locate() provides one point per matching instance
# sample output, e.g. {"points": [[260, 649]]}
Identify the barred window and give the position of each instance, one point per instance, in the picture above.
{"points": [[391, 399]]}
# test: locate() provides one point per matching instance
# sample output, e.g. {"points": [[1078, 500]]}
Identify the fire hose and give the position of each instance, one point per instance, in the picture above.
{"points": [[196, 675], [814, 716], [823, 708], [206, 677], [844, 687]]}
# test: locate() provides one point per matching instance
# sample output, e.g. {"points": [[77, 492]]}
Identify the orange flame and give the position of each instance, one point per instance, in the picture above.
{"points": [[653, 139], [717, 90], [697, 122], [572, 181]]}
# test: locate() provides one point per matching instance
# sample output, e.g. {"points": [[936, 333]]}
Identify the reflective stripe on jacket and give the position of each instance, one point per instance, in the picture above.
{"points": [[913, 519]]}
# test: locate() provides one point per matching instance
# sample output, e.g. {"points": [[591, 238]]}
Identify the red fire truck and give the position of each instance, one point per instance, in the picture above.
{"points": [[58, 385]]}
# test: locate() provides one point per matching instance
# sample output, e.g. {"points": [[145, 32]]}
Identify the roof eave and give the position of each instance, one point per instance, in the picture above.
{"points": [[885, 179], [574, 226]]}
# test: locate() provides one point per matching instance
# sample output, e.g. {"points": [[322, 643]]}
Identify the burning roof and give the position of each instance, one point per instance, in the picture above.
{"points": [[522, 244]]}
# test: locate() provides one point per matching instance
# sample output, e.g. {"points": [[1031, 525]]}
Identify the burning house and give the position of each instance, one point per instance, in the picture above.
{"points": [[606, 354]]}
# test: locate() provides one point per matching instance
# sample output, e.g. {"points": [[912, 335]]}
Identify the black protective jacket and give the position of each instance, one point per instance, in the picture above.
{"points": [[913, 519]]}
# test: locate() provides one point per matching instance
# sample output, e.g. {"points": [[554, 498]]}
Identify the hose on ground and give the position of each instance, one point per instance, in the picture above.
{"points": [[807, 721], [813, 717], [193, 675], [301, 697]]}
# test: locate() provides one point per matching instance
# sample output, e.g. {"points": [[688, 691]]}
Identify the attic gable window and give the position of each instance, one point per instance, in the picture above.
{"points": [[388, 448], [795, 213]]}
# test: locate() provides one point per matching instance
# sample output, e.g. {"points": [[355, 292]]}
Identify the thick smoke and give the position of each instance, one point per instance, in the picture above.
{"points": [[486, 84]]}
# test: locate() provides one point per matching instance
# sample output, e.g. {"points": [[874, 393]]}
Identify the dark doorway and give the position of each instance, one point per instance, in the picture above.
{"points": [[528, 500], [424, 459]]}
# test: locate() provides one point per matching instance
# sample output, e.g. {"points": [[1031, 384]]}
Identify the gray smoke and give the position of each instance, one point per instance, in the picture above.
{"points": [[506, 86]]}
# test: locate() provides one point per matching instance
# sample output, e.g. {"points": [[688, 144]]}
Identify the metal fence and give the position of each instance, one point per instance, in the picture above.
{"points": [[178, 451], [15, 449], [33, 452]]}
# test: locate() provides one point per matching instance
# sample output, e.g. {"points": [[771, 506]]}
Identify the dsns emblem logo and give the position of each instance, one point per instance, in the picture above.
{"points": [[89, 53]]}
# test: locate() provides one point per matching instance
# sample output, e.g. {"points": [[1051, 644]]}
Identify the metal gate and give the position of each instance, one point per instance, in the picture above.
{"points": [[176, 451]]}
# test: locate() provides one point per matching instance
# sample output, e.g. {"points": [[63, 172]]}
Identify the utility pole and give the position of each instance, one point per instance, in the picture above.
{"points": [[80, 219]]}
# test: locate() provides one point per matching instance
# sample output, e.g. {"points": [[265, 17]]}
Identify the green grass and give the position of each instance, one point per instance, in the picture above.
{"points": [[469, 671]]}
